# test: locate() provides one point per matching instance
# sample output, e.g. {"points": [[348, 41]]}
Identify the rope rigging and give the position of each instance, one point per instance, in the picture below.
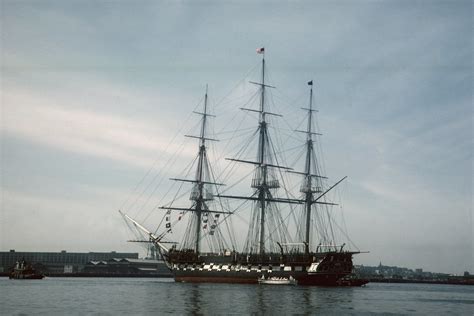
{"points": [[268, 221]]}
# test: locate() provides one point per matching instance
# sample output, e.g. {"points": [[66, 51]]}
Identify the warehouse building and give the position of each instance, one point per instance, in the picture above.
{"points": [[59, 262]]}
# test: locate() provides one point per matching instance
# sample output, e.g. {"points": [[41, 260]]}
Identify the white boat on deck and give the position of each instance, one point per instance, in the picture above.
{"points": [[277, 280]]}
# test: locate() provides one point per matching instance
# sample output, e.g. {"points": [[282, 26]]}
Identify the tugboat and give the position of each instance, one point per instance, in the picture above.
{"points": [[25, 271], [352, 280], [290, 233]]}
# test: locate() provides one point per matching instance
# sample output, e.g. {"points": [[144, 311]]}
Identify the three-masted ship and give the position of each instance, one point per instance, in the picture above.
{"points": [[269, 251]]}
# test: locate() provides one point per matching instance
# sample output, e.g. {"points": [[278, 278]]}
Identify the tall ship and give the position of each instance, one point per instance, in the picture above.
{"points": [[284, 220]]}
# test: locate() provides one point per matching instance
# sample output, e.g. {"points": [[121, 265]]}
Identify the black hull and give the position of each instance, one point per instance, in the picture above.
{"points": [[26, 276], [325, 269]]}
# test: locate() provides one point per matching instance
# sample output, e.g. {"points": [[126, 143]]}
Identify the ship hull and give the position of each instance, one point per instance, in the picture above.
{"points": [[321, 279], [30, 276], [324, 269]]}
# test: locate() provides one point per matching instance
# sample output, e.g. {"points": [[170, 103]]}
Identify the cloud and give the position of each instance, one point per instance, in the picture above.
{"points": [[60, 123], [51, 222], [393, 89]]}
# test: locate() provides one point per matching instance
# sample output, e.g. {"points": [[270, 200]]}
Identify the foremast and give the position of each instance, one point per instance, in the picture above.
{"points": [[201, 192], [199, 185]]}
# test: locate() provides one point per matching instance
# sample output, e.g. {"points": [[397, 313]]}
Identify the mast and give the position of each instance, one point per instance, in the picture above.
{"points": [[307, 171], [264, 178], [201, 191], [262, 188], [199, 177]]}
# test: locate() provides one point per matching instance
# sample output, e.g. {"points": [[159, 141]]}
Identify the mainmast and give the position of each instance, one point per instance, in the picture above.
{"points": [[307, 188], [262, 187], [264, 179], [261, 182]]}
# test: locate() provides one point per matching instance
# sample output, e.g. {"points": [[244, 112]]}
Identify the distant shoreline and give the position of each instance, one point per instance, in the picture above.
{"points": [[450, 282], [101, 275], [148, 275]]}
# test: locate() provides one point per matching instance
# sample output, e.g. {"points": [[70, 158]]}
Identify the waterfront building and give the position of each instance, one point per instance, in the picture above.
{"points": [[128, 267], [59, 262]]}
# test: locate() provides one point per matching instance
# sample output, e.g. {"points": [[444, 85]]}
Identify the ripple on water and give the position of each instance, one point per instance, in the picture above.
{"points": [[56, 296]]}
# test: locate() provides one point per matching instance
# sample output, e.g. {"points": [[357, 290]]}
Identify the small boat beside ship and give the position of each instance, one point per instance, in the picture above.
{"points": [[352, 280], [277, 280]]}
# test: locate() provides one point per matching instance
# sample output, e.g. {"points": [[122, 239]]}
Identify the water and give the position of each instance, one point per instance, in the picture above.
{"points": [[107, 296]]}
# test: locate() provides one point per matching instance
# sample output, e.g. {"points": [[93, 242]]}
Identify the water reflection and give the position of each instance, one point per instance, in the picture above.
{"points": [[260, 303], [194, 303], [202, 299], [332, 297], [148, 297], [307, 306]]}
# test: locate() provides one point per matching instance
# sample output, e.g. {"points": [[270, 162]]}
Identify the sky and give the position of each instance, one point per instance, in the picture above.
{"points": [[93, 93]]}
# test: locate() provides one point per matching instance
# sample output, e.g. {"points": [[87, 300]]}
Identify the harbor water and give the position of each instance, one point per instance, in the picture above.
{"points": [[133, 296]]}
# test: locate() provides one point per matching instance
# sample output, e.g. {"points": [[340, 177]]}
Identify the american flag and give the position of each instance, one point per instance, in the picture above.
{"points": [[261, 50]]}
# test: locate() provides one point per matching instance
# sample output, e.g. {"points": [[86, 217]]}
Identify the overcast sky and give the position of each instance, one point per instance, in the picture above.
{"points": [[93, 91]]}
